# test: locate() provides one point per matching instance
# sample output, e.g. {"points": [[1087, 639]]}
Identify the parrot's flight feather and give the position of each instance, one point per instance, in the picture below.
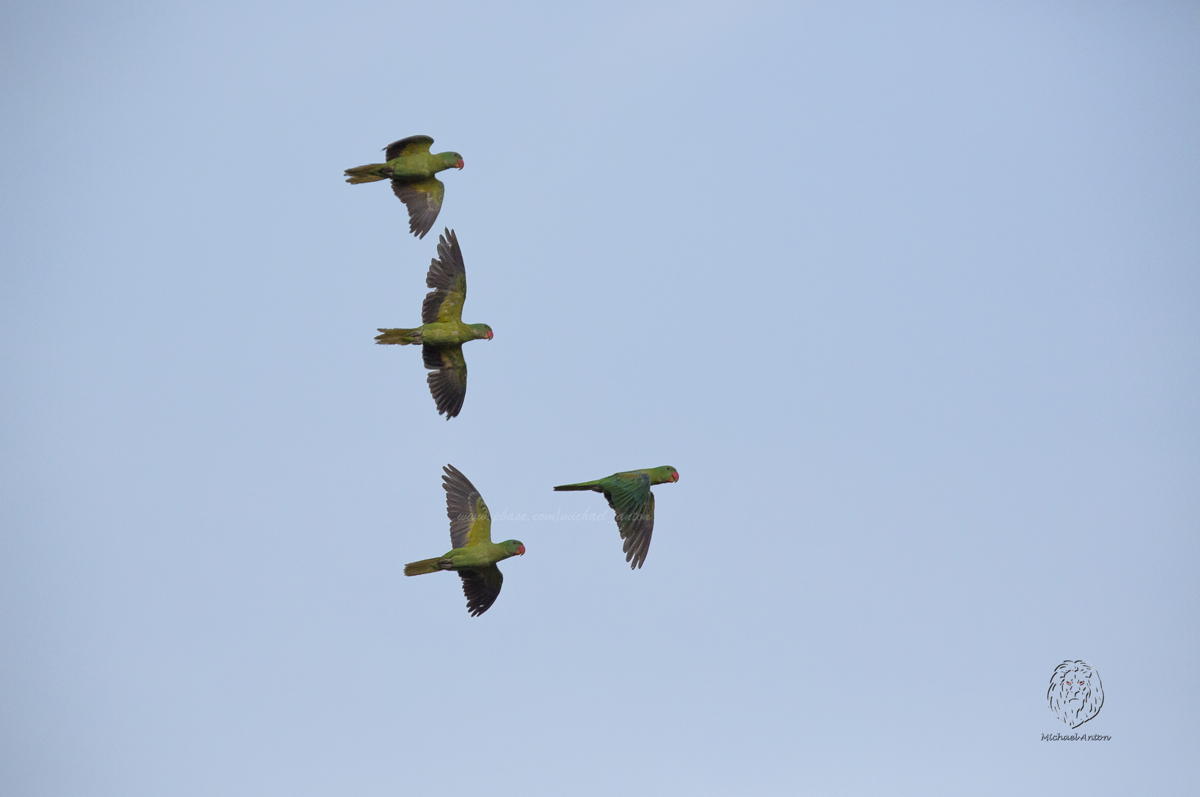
{"points": [[413, 145], [448, 379], [448, 278], [470, 520], [481, 585], [633, 502], [423, 200]]}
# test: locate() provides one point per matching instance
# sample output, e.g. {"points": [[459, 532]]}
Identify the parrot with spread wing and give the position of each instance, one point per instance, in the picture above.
{"points": [[411, 167], [629, 495], [473, 555], [443, 332]]}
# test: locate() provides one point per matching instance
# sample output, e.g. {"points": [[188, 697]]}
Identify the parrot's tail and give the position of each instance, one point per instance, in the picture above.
{"points": [[400, 336], [582, 486], [424, 566], [366, 174]]}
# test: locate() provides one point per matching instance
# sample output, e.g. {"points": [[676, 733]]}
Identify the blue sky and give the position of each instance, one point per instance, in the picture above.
{"points": [[908, 295]]}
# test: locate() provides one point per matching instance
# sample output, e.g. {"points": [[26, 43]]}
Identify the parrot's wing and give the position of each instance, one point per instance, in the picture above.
{"points": [[413, 145], [423, 200], [448, 380], [470, 520], [448, 278], [631, 499], [481, 585]]}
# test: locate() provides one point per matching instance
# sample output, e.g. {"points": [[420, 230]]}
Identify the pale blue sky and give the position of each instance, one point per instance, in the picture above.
{"points": [[908, 293]]}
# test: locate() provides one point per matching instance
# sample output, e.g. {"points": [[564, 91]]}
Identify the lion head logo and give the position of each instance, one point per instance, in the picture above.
{"points": [[1075, 693]]}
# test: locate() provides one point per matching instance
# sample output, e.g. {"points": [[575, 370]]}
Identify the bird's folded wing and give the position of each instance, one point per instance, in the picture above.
{"points": [[448, 278], [470, 520], [448, 380], [633, 502], [413, 145], [423, 200], [481, 585]]}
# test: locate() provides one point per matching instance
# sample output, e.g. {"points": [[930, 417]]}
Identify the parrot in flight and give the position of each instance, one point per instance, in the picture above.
{"points": [[443, 332], [411, 167], [629, 495], [473, 555]]}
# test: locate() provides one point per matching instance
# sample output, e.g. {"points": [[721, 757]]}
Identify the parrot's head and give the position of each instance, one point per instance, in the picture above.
{"points": [[514, 547], [664, 475], [482, 331], [458, 161]]}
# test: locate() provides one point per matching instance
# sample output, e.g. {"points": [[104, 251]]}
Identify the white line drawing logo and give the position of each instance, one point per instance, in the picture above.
{"points": [[1075, 694]]}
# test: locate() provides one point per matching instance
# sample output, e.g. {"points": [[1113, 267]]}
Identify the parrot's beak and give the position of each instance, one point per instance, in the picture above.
{"points": [[460, 163], [520, 550], [489, 335]]}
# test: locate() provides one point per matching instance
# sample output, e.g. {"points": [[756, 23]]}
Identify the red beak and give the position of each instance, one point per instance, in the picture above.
{"points": [[460, 163], [520, 550], [489, 336]]}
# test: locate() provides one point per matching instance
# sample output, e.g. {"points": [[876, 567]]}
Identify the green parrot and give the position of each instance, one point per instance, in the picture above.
{"points": [[411, 167], [443, 332], [474, 555], [629, 495]]}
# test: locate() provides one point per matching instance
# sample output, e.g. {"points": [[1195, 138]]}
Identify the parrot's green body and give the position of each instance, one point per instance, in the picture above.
{"points": [[443, 332], [411, 168], [459, 558], [629, 495], [449, 333], [474, 555]]}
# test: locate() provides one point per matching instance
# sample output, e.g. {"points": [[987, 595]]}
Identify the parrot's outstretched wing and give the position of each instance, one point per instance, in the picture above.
{"points": [[481, 585], [448, 278], [448, 377], [413, 145], [470, 520], [423, 200], [631, 499]]}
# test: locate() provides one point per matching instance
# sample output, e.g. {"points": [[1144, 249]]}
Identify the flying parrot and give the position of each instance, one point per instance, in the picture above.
{"points": [[629, 495], [474, 555], [411, 167], [443, 332]]}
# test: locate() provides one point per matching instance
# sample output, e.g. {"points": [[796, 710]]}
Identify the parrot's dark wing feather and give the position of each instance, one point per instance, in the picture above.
{"points": [[481, 585], [631, 499], [423, 200], [470, 520], [448, 380], [448, 278], [413, 145]]}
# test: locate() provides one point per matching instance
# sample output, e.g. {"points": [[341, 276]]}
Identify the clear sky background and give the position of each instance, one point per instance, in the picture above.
{"points": [[908, 293]]}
